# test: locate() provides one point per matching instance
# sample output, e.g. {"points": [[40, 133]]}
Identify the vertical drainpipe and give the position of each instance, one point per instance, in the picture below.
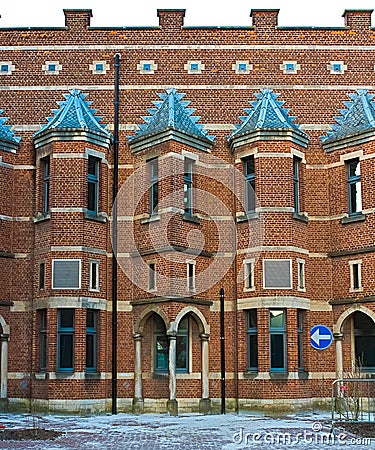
{"points": [[114, 234], [222, 350]]}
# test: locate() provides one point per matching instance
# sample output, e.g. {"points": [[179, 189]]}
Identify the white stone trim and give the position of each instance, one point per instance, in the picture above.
{"points": [[285, 67], [95, 71], [273, 302], [10, 65], [47, 64], [238, 64], [351, 264], [332, 67], [198, 67], [147, 63]]}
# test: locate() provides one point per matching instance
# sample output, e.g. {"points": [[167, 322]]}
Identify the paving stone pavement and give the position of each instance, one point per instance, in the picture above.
{"points": [[185, 432]]}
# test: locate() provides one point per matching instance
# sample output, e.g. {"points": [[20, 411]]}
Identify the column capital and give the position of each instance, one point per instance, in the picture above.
{"points": [[172, 335], [204, 336], [137, 336], [338, 336], [4, 337]]}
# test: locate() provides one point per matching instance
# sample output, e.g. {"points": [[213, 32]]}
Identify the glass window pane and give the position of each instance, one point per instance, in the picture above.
{"points": [[277, 351], [90, 351], [161, 360], [91, 198], [92, 166], [66, 318], [252, 318], [181, 352], [66, 351], [253, 351], [277, 319], [90, 319]]}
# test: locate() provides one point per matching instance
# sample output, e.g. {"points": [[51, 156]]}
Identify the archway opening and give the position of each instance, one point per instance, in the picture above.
{"points": [[364, 341]]}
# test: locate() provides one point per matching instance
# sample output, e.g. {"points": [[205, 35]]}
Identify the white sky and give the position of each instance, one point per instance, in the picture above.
{"points": [[36, 13]]}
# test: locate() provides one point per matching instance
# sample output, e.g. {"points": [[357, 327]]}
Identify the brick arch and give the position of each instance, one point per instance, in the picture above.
{"points": [[145, 315], [4, 326], [203, 326], [355, 308]]}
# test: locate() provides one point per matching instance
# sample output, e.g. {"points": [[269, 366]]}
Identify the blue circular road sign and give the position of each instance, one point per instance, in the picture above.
{"points": [[321, 337]]}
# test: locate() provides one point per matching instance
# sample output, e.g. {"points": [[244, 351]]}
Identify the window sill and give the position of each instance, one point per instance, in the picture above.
{"points": [[247, 216], [64, 375], [300, 217], [149, 219], [302, 375], [161, 375], [250, 374], [353, 219], [100, 217], [278, 375], [40, 375], [191, 218], [92, 375], [41, 217]]}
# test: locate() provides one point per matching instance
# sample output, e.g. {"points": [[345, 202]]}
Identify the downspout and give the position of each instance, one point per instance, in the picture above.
{"points": [[114, 234]]}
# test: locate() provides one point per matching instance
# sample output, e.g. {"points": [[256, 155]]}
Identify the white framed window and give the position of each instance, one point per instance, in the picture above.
{"points": [[277, 274], [51, 67], [6, 67], [355, 275], [290, 67], [99, 67], [337, 67], [248, 267], [152, 276], [190, 275], [301, 286], [242, 67], [66, 274], [194, 67], [94, 275], [147, 67]]}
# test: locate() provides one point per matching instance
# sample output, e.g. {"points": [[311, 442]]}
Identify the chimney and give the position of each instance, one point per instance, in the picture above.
{"points": [[358, 19], [171, 19], [264, 18], [77, 18]]}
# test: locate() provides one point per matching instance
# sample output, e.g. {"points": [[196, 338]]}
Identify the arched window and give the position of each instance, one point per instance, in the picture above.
{"points": [[364, 341], [160, 345]]}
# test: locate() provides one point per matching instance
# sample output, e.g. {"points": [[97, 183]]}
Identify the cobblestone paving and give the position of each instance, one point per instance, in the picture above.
{"points": [[186, 432]]}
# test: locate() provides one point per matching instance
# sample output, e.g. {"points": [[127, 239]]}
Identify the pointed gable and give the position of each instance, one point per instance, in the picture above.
{"points": [[170, 119], [8, 141], [355, 125], [267, 120], [72, 120]]}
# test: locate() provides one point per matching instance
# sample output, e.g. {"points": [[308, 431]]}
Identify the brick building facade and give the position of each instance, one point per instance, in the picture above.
{"points": [[260, 195]]}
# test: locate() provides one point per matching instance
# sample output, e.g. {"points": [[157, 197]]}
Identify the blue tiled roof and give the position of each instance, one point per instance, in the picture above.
{"points": [[357, 118], [6, 134], [266, 113], [75, 113], [171, 112]]}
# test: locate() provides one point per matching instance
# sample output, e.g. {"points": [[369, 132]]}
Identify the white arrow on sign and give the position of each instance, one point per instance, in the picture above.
{"points": [[317, 337]]}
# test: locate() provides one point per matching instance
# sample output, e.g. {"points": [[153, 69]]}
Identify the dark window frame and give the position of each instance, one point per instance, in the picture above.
{"points": [[43, 340], [249, 174], [353, 182], [280, 333], [93, 181], [92, 333], [65, 331], [153, 173], [300, 329], [188, 186], [297, 184], [252, 339], [46, 180]]}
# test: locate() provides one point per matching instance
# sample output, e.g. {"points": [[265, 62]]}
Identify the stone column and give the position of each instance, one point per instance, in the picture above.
{"points": [[339, 364], [4, 366], [205, 402], [172, 405], [138, 404]]}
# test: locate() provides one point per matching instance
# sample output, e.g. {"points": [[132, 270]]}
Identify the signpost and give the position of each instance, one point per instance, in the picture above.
{"points": [[321, 337]]}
